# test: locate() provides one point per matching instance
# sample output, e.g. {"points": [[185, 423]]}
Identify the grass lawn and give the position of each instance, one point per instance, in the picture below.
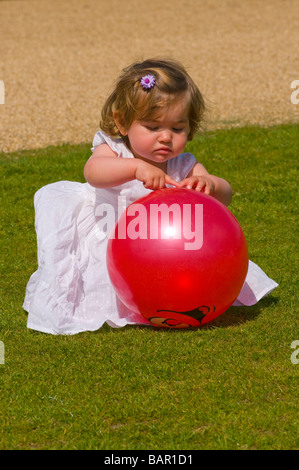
{"points": [[228, 385]]}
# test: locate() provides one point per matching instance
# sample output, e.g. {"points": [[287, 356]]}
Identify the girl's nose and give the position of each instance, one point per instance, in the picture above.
{"points": [[165, 135]]}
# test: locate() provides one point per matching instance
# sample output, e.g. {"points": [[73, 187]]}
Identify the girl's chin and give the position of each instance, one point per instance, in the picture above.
{"points": [[154, 158]]}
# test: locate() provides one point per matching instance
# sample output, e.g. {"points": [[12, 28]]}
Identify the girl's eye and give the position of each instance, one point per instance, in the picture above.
{"points": [[151, 128], [156, 128]]}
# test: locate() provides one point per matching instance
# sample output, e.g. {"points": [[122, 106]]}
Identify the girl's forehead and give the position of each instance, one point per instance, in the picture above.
{"points": [[175, 109]]}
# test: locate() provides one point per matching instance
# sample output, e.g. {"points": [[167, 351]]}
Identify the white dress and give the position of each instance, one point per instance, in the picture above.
{"points": [[71, 291]]}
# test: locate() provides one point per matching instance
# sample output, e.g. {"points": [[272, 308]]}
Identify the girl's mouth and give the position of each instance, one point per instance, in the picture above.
{"points": [[163, 150]]}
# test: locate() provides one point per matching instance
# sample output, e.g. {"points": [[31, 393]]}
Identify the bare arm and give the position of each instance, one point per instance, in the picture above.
{"points": [[105, 170], [200, 180]]}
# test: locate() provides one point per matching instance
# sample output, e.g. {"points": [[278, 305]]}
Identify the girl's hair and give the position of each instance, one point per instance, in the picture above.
{"points": [[133, 102]]}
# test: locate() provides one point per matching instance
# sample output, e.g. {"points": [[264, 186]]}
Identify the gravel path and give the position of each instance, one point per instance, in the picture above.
{"points": [[58, 60]]}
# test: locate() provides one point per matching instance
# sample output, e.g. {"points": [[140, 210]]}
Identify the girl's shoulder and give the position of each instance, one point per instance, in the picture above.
{"points": [[116, 145]]}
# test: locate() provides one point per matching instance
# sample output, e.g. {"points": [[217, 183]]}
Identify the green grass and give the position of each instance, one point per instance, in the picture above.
{"points": [[229, 385]]}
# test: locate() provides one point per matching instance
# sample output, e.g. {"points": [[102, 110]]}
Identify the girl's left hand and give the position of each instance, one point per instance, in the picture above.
{"points": [[202, 183]]}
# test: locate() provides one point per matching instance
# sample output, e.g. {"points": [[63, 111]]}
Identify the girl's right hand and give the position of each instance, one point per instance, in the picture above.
{"points": [[153, 177]]}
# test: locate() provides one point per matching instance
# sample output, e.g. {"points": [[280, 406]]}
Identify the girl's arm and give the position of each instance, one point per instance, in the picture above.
{"points": [[200, 180], [105, 170]]}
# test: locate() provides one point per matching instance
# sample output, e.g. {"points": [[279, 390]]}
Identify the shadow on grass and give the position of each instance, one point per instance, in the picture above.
{"points": [[234, 316]]}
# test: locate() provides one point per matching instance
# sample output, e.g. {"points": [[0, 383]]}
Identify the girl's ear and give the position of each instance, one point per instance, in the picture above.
{"points": [[118, 119]]}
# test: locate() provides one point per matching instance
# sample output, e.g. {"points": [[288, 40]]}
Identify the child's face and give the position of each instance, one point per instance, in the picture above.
{"points": [[162, 138]]}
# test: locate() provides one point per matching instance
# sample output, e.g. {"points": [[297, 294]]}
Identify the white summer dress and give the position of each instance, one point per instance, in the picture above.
{"points": [[71, 291]]}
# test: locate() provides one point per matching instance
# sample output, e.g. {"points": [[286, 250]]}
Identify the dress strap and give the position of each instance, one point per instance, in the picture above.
{"points": [[179, 167]]}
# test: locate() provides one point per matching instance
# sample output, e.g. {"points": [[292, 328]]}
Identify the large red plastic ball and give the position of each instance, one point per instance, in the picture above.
{"points": [[178, 257]]}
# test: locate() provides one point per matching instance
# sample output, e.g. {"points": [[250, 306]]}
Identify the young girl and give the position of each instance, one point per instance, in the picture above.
{"points": [[147, 120]]}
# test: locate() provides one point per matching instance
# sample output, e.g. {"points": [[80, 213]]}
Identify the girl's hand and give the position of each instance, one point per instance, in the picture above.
{"points": [[202, 183], [153, 177]]}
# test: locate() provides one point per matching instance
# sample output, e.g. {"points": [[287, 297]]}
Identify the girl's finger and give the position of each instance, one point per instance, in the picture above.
{"points": [[182, 183], [171, 181], [187, 183], [200, 186]]}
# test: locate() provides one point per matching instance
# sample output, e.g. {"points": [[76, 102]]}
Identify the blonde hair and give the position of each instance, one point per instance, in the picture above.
{"points": [[132, 102]]}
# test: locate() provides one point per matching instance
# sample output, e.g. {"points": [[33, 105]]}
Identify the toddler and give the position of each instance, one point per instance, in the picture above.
{"points": [[147, 120]]}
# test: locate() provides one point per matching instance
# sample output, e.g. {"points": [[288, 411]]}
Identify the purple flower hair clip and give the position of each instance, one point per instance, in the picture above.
{"points": [[147, 82]]}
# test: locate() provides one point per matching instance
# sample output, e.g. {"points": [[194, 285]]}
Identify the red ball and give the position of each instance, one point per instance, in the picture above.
{"points": [[178, 257]]}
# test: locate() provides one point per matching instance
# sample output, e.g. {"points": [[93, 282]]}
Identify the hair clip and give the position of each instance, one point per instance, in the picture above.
{"points": [[147, 82]]}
